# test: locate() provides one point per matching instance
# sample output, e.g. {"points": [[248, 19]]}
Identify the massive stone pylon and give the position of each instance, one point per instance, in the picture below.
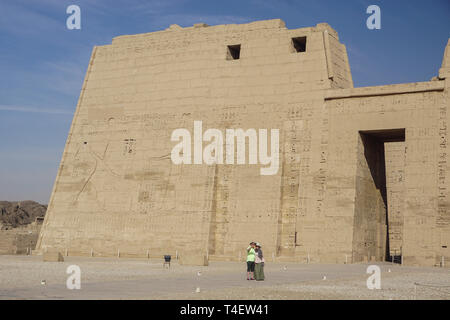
{"points": [[338, 196]]}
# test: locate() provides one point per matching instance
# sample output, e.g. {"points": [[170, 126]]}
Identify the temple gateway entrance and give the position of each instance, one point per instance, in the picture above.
{"points": [[378, 223]]}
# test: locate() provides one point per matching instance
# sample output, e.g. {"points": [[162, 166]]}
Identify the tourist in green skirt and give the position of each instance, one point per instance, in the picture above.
{"points": [[259, 263]]}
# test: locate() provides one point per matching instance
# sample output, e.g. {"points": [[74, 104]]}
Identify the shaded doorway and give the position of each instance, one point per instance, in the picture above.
{"points": [[371, 229]]}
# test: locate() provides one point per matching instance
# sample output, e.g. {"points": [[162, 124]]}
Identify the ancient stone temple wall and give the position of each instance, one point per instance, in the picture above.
{"points": [[395, 153], [118, 192]]}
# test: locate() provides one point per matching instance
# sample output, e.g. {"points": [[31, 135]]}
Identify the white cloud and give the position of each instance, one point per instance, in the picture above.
{"points": [[186, 20], [37, 109], [21, 21]]}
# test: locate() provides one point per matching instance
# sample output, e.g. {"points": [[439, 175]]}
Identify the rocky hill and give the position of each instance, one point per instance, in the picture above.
{"points": [[20, 213]]}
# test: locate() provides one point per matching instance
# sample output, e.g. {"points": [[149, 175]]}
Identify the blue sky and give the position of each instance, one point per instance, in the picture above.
{"points": [[42, 63]]}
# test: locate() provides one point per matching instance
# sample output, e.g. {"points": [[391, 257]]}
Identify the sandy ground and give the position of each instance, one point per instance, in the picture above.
{"points": [[22, 277]]}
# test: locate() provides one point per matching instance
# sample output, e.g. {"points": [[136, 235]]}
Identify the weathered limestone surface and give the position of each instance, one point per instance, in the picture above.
{"points": [[193, 259], [21, 240], [52, 256], [395, 180], [118, 191]]}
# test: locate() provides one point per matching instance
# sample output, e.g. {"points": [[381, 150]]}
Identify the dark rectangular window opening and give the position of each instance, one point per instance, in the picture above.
{"points": [[299, 44], [234, 52]]}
